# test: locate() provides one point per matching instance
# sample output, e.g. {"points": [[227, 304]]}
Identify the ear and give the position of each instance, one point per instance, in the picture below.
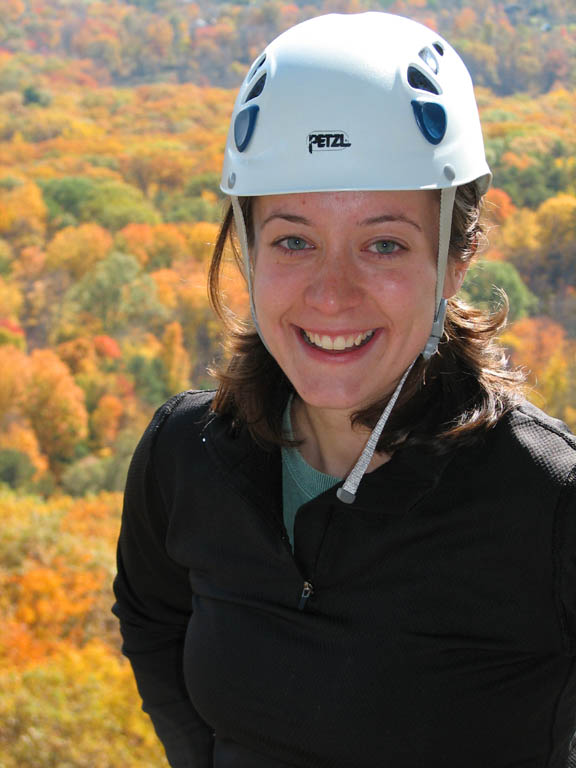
{"points": [[455, 274]]}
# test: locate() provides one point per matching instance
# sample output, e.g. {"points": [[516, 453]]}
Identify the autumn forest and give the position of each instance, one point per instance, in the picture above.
{"points": [[113, 118]]}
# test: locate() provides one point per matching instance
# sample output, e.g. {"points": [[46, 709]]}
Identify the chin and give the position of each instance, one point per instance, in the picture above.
{"points": [[332, 400]]}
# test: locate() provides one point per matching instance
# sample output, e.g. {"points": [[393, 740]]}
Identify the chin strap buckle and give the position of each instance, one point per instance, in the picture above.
{"points": [[436, 332]]}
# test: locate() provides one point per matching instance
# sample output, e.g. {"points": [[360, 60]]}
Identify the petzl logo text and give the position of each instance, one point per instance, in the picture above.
{"points": [[327, 140]]}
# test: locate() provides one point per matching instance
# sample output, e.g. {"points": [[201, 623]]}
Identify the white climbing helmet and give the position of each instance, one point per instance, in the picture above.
{"points": [[368, 101]]}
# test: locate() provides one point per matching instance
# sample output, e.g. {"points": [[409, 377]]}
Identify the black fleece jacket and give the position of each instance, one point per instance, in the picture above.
{"points": [[431, 623]]}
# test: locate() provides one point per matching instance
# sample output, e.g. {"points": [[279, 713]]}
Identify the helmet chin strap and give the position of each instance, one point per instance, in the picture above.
{"points": [[447, 197], [347, 492]]}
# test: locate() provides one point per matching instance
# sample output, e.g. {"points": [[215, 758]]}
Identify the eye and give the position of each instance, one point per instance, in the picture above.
{"points": [[385, 247], [293, 244]]}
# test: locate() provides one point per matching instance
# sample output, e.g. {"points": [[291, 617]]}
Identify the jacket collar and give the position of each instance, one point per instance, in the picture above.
{"points": [[393, 488], [255, 473]]}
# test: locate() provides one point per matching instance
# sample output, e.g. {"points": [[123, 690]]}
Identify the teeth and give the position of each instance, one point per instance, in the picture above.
{"points": [[338, 342]]}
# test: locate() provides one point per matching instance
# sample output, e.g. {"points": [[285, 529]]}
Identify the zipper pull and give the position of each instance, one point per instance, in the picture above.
{"points": [[307, 590]]}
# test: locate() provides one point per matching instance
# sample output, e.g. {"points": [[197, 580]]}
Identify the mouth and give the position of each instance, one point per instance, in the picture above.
{"points": [[339, 343]]}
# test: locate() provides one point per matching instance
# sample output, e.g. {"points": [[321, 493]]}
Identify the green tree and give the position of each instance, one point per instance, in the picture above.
{"points": [[484, 279], [114, 205], [65, 197], [118, 293]]}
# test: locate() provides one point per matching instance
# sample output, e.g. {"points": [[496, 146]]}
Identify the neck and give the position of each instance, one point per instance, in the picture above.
{"points": [[330, 443]]}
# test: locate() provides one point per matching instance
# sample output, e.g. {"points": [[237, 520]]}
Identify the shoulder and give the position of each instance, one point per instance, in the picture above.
{"points": [[182, 418], [535, 440], [186, 410], [179, 417]]}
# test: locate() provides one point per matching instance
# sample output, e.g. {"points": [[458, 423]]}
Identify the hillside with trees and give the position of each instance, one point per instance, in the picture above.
{"points": [[113, 119]]}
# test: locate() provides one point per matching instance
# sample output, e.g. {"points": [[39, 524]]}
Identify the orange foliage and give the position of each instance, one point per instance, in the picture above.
{"points": [[30, 263], [96, 518], [106, 420], [55, 406], [500, 205], [159, 244], [175, 359], [19, 437], [167, 282], [15, 371], [78, 354], [48, 606], [107, 347], [534, 341], [158, 168], [12, 10], [521, 162], [465, 20]]}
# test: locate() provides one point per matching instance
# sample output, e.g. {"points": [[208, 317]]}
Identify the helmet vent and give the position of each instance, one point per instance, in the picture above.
{"points": [[431, 119], [428, 58], [419, 80], [256, 89], [439, 48], [255, 68], [244, 126]]}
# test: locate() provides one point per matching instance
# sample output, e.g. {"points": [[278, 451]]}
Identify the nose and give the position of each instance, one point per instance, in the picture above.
{"points": [[335, 286]]}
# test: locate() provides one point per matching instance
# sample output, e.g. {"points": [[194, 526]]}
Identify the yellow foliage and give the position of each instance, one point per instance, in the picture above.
{"points": [[201, 238], [79, 708], [147, 346], [557, 219], [167, 281], [10, 299], [78, 249], [14, 366], [520, 235], [19, 437], [570, 417], [95, 518], [23, 213]]}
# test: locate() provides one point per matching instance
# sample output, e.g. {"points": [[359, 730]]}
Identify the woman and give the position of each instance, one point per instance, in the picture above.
{"points": [[358, 552]]}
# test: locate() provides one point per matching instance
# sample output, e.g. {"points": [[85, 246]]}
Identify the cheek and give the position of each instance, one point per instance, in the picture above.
{"points": [[407, 290], [275, 290]]}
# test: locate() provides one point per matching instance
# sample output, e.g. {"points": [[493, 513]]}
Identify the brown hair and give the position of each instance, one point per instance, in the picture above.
{"points": [[460, 392]]}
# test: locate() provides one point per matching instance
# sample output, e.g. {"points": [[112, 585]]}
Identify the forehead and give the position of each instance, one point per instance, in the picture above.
{"points": [[352, 207]]}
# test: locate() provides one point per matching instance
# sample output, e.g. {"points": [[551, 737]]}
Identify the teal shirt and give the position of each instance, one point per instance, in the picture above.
{"points": [[300, 481]]}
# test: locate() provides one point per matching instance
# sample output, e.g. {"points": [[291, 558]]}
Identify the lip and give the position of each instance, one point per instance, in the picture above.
{"points": [[340, 356]]}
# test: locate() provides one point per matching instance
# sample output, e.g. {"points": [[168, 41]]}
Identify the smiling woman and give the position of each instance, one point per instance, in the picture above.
{"points": [[358, 551]]}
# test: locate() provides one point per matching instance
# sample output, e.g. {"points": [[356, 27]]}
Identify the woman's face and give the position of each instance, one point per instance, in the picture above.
{"points": [[344, 286]]}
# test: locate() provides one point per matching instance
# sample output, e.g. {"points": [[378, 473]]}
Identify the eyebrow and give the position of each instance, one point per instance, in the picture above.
{"points": [[391, 217], [293, 219]]}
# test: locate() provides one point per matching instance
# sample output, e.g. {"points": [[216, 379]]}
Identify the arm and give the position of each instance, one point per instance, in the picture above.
{"points": [[154, 603]]}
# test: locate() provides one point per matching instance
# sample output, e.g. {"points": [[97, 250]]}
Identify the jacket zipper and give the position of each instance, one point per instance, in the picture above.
{"points": [[307, 590]]}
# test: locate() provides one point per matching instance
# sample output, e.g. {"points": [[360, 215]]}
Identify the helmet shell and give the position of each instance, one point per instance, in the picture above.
{"points": [[369, 101]]}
